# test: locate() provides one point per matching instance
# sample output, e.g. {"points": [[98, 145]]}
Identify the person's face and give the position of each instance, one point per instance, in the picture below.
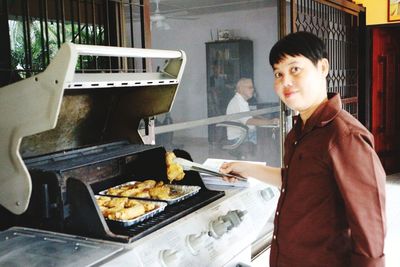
{"points": [[299, 83], [247, 90]]}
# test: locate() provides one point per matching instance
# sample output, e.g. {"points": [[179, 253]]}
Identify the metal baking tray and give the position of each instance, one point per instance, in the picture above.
{"points": [[179, 192], [160, 206]]}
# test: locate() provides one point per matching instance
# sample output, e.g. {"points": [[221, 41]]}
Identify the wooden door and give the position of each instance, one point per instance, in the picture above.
{"points": [[386, 96]]}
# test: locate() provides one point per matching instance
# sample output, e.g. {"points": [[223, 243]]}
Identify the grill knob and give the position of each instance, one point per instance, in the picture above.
{"points": [[170, 258], [195, 242], [225, 223]]}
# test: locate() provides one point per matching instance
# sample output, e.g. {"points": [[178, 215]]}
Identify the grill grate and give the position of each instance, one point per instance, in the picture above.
{"points": [[171, 214]]}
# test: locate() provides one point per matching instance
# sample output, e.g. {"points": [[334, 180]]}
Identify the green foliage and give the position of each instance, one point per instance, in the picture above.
{"points": [[44, 46]]}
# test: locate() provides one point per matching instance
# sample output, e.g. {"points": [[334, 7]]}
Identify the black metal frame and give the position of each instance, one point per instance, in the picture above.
{"points": [[65, 183], [93, 22], [338, 24], [6, 76]]}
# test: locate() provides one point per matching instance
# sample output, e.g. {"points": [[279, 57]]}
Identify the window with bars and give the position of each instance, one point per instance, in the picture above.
{"points": [[339, 28], [37, 29]]}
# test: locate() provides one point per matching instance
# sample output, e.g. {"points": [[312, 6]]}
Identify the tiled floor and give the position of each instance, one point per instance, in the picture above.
{"points": [[392, 242]]}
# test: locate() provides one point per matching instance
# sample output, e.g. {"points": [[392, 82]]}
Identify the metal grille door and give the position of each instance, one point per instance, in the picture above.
{"points": [[338, 25], [37, 28]]}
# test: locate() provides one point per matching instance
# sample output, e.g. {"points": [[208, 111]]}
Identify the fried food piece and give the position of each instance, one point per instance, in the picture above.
{"points": [[110, 212], [169, 157], [130, 192], [124, 209], [149, 206], [146, 184], [103, 201], [160, 192], [103, 210], [130, 213], [143, 194], [131, 203], [115, 191], [174, 170], [117, 202]]}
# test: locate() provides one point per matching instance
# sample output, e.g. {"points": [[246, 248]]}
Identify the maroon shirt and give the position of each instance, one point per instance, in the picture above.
{"points": [[331, 211]]}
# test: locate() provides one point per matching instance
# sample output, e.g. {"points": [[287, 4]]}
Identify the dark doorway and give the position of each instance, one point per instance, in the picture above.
{"points": [[386, 95]]}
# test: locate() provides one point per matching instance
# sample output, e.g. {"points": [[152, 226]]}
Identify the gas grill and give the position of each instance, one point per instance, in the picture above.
{"points": [[64, 185], [70, 135]]}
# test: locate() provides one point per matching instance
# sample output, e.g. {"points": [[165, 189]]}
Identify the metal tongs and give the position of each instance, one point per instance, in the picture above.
{"points": [[188, 165]]}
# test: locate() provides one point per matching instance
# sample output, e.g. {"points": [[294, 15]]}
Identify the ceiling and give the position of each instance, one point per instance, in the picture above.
{"points": [[201, 7], [190, 9]]}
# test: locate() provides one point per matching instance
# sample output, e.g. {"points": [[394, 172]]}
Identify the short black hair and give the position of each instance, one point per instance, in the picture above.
{"points": [[298, 44]]}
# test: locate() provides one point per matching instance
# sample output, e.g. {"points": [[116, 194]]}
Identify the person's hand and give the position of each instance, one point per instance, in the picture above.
{"points": [[237, 168]]}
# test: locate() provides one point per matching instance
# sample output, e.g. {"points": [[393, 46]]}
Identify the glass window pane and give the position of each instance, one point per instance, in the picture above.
{"points": [[223, 45]]}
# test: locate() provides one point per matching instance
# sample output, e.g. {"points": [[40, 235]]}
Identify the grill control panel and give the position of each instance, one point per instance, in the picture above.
{"points": [[225, 223], [196, 242], [219, 234]]}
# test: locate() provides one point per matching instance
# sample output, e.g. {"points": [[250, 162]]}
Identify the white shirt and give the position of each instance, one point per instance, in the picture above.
{"points": [[236, 105]]}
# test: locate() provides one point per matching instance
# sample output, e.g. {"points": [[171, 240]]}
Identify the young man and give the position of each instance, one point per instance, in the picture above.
{"points": [[331, 210], [238, 103]]}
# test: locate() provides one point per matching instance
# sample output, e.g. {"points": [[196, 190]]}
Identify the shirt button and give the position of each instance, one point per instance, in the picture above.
{"points": [[295, 143], [287, 166], [274, 237], [283, 190], [277, 213]]}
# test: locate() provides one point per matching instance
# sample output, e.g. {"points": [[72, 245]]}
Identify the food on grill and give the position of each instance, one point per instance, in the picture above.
{"points": [[170, 193], [146, 184], [123, 208], [102, 201], [118, 203], [143, 194], [146, 189], [127, 193], [174, 170], [160, 192]]}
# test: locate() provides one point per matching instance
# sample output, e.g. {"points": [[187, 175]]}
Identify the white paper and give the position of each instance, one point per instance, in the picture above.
{"points": [[216, 165]]}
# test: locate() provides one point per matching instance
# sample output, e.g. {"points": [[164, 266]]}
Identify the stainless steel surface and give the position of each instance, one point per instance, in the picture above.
{"points": [[31, 247], [219, 234]]}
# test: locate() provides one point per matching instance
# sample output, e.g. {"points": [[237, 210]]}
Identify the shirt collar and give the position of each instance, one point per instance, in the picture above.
{"points": [[324, 114], [240, 97]]}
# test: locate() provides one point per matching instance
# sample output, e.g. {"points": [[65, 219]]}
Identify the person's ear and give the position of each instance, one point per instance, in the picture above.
{"points": [[324, 64]]}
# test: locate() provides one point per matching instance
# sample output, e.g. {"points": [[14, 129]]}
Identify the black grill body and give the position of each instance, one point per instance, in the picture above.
{"points": [[65, 184]]}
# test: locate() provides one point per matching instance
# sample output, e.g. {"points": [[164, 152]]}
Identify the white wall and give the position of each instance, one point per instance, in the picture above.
{"points": [[258, 25]]}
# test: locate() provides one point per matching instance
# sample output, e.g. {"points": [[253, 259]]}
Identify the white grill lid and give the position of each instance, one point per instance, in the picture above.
{"points": [[32, 105]]}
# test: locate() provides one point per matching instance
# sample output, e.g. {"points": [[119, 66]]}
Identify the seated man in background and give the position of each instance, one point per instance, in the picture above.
{"points": [[245, 91]]}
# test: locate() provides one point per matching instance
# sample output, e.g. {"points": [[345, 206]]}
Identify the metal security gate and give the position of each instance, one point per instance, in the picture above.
{"points": [[37, 28], [338, 23]]}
